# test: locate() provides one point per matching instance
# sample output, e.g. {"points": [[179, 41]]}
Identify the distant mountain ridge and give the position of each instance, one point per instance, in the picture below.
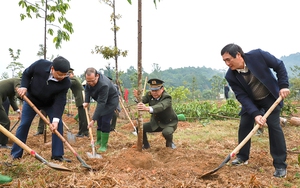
{"points": [[290, 61]]}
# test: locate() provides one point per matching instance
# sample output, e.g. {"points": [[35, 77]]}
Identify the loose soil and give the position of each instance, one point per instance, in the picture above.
{"points": [[123, 166]]}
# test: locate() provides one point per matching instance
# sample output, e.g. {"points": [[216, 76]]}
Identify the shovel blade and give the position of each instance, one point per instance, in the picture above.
{"points": [[57, 166], [134, 133], [93, 156], [71, 137], [226, 160], [52, 165]]}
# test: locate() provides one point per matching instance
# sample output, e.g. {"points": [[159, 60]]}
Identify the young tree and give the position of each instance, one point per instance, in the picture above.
{"points": [[4, 76], [14, 65], [140, 69], [53, 11], [112, 52]]}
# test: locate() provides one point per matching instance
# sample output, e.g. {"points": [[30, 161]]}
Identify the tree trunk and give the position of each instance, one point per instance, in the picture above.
{"points": [[140, 117]]}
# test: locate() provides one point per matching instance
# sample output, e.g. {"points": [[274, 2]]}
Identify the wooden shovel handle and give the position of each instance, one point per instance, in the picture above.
{"points": [[88, 119], [121, 102], [16, 140], [48, 123]]}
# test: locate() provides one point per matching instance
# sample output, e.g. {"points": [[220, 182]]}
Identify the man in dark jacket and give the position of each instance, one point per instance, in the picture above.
{"points": [[163, 118], [77, 90], [8, 93], [46, 84], [117, 111], [255, 86], [102, 90]]}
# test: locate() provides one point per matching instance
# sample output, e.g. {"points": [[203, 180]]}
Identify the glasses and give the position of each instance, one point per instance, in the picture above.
{"points": [[62, 75], [91, 81]]}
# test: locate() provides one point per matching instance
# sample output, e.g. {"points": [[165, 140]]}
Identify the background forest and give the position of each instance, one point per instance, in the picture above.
{"points": [[186, 83]]}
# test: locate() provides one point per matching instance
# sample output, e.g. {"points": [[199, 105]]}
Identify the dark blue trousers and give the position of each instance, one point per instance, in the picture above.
{"points": [[22, 132]]}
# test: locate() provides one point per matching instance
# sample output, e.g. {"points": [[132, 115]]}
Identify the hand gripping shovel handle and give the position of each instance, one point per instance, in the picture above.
{"points": [[246, 139], [56, 132], [29, 150]]}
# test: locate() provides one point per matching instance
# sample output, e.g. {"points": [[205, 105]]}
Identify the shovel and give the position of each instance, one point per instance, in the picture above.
{"points": [[70, 137], [14, 125], [134, 132], [33, 153], [56, 132], [246, 139], [93, 154]]}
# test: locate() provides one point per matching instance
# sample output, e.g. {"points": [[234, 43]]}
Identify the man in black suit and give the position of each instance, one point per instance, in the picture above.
{"points": [[255, 86], [46, 84], [102, 90]]}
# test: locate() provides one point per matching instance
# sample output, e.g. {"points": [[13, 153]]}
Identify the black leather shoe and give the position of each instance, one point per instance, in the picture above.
{"points": [[60, 158], [38, 133], [239, 161], [280, 172], [146, 146], [82, 134], [5, 146]]}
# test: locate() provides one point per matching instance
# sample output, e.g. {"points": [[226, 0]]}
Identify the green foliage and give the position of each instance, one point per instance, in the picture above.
{"points": [[179, 93], [14, 65], [207, 110], [109, 52], [4, 76], [53, 11], [288, 108]]}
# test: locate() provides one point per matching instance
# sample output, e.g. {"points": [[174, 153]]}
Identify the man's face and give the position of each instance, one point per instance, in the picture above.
{"points": [[92, 79], [71, 74], [157, 93], [233, 63], [59, 75]]}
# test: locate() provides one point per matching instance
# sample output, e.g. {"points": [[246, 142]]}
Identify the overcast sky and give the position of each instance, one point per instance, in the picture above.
{"points": [[178, 33]]}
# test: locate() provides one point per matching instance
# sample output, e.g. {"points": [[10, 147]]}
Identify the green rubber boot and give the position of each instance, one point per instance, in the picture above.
{"points": [[104, 140], [98, 142], [5, 179]]}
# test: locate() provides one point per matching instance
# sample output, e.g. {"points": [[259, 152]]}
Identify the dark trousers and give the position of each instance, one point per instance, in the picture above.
{"points": [[166, 132], [82, 120], [22, 132], [42, 124], [6, 106], [114, 121], [5, 122], [276, 136], [104, 122]]}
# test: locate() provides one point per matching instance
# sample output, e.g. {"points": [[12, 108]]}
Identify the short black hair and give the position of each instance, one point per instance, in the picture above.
{"points": [[232, 49]]}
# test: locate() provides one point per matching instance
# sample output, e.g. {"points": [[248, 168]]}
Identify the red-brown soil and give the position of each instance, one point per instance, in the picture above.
{"points": [[123, 166]]}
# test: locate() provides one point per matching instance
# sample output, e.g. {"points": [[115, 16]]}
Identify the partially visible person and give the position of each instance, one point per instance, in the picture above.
{"points": [[8, 92], [163, 117], [126, 93], [226, 91], [41, 124], [101, 89], [117, 111], [6, 105], [46, 84], [77, 90], [255, 87]]}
